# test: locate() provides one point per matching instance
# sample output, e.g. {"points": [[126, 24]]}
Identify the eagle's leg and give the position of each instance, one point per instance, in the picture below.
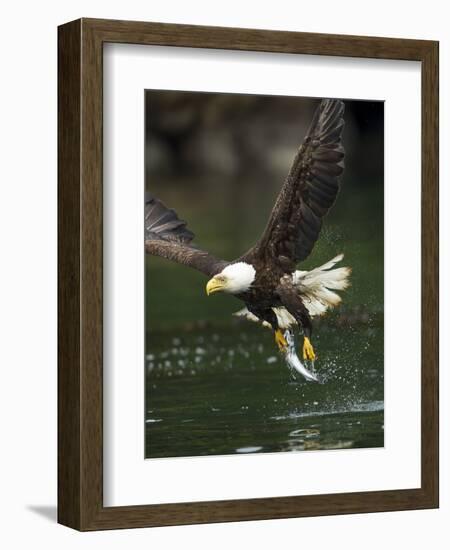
{"points": [[268, 315], [294, 304], [308, 350], [280, 340], [304, 320]]}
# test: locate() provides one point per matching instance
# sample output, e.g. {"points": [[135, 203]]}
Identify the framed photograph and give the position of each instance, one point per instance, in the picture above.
{"points": [[248, 274]]}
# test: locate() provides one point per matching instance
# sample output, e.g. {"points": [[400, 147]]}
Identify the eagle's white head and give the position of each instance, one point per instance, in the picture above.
{"points": [[234, 279]]}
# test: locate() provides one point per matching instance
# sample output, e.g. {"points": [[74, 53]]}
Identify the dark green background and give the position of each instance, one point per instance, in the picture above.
{"points": [[216, 385]]}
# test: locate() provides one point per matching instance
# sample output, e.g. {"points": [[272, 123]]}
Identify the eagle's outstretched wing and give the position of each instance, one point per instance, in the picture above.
{"points": [[308, 192], [167, 236]]}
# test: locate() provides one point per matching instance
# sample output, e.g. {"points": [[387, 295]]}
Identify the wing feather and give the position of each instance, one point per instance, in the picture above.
{"points": [[308, 192], [168, 237], [186, 255]]}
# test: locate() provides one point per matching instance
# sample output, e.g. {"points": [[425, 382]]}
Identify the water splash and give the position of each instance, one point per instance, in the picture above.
{"points": [[373, 406]]}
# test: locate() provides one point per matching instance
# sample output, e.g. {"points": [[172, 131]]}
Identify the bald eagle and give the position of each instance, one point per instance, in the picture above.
{"points": [[266, 278]]}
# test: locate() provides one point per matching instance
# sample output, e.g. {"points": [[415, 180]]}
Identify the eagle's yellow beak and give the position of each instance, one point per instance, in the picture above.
{"points": [[214, 285]]}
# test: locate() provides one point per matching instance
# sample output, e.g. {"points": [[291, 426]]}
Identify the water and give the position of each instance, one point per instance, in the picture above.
{"points": [[218, 390], [218, 385]]}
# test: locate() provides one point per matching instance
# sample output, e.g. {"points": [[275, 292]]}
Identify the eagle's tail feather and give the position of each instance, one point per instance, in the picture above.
{"points": [[317, 286]]}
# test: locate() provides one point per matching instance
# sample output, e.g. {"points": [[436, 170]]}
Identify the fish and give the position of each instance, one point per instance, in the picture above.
{"points": [[293, 360]]}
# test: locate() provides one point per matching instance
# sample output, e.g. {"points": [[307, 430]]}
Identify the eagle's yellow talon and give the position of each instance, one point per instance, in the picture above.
{"points": [[308, 350], [280, 340]]}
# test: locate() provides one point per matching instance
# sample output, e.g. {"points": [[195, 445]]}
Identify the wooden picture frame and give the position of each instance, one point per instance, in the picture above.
{"points": [[80, 412]]}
